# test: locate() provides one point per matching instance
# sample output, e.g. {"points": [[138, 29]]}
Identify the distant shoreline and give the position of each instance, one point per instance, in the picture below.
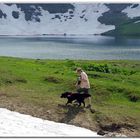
{"points": [[51, 35], [74, 35]]}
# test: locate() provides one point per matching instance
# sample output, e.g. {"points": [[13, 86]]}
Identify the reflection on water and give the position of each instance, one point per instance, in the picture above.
{"points": [[88, 47]]}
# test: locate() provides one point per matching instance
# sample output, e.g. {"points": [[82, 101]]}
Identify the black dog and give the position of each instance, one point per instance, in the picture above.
{"points": [[75, 97]]}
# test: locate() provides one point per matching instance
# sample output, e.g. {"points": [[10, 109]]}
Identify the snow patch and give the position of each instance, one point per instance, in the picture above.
{"points": [[132, 12], [16, 124], [137, 21]]}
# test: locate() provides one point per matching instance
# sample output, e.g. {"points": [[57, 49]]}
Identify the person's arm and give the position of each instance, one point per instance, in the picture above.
{"points": [[78, 81]]}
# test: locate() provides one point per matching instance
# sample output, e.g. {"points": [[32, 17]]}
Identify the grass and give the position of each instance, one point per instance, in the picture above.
{"points": [[38, 83], [129, 28]]}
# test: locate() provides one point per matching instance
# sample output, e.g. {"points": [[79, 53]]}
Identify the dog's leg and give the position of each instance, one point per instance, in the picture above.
{"points": [[83, 103], [69, 101], [79, 104]]}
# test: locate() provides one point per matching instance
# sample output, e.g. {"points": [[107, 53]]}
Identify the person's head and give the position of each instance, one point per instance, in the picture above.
{"points": [[79, 70]]}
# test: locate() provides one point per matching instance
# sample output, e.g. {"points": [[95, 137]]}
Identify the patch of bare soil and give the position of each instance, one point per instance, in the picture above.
{"points": [[119, 130]]}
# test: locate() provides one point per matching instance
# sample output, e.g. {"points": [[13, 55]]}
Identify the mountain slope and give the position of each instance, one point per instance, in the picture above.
{"points": [[130, 26], [65, 18], [31, 19]]}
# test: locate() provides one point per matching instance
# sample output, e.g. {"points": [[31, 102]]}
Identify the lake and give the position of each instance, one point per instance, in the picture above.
{"points": [[82, 47]]}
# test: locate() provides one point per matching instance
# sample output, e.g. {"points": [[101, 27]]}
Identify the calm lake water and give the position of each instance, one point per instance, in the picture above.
{"points": [[88, 47]]}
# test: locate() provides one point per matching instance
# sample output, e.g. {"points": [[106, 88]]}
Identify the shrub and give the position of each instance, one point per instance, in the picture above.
{"points": [[106, 68], [21, 80], [53, 79], [133, 98]]}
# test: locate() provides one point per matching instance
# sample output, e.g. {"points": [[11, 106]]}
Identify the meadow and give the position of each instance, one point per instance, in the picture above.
{"points": [[34, 86]]}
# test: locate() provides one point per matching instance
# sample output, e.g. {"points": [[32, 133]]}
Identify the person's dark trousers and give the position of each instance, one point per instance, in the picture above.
{"points": [[83, 90]]}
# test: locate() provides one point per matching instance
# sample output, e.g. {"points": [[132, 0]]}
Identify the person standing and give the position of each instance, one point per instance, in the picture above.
{"points": [[82, 84]]}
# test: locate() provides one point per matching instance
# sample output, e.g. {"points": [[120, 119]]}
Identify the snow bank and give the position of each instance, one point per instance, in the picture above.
{"points": [[16, 124]]}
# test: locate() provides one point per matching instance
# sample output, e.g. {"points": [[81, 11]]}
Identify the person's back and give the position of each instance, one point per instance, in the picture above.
{"points": [[84, 80]]}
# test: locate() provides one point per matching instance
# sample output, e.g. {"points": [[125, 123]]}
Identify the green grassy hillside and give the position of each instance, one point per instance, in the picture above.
{"points": [[130, 27], [34, 87]]}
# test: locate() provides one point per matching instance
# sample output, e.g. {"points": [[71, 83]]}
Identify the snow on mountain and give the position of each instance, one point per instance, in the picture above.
{"points": [[90, 13], [133, 10], [31, 19], [16, 124]]}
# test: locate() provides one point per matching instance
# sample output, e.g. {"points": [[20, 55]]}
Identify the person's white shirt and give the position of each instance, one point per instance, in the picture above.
{"points": [[84, 80]]}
